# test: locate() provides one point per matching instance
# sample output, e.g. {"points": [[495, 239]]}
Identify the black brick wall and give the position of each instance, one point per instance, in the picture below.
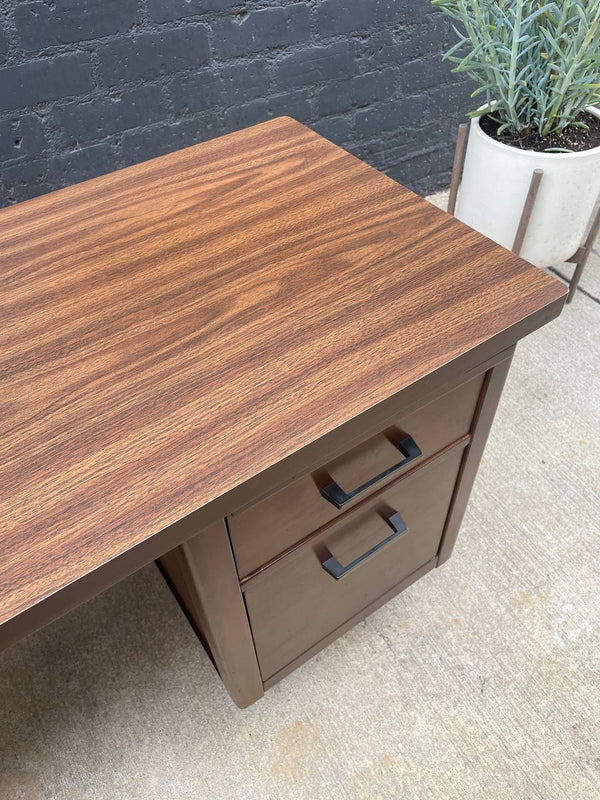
{"points": [[89, 86]]}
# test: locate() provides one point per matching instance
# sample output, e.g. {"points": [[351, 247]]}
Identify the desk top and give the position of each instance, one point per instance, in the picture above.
{"points": [[175, 328]]}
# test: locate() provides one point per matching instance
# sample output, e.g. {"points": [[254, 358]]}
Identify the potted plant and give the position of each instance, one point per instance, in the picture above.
{"points": [[537, 66]]}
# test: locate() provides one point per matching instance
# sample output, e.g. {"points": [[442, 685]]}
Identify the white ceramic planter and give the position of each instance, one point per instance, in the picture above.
{"points": [[495, 183]]}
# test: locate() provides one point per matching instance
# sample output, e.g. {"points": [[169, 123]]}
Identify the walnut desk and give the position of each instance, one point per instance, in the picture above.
{"points": [[259, 361]]}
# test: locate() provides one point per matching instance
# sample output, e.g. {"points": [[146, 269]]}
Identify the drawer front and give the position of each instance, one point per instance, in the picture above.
{"points": [[265, 529], [295, 603]]}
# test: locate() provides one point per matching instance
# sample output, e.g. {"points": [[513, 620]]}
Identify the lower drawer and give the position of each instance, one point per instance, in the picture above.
{"points": [[298, 601]]}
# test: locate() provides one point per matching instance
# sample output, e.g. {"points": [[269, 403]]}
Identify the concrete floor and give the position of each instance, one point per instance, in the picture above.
{"points": [[480, 682]]}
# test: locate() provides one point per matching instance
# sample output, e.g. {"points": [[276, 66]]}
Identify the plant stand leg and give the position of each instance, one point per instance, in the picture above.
{"points": [[459, 162], [532, 194], [581, 256]]}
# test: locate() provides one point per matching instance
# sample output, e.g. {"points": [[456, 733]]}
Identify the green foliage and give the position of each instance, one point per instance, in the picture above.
{"points": [[537, 63]]}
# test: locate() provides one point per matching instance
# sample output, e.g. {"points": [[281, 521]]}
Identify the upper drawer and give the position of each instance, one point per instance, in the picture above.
{"points": [[265, 529]]}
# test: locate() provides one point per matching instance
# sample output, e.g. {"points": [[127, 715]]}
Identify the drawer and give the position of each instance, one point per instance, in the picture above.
{"points": [[265, 529], [295, 603]]}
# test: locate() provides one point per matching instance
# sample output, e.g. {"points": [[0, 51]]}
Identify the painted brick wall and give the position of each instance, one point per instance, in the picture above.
{"points": [[89, 86]]}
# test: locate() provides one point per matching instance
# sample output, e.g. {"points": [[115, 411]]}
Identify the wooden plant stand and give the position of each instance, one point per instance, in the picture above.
{"points": [[579, 258]]}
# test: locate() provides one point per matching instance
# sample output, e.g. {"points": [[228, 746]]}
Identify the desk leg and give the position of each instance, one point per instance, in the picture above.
{"points": [[202, 574], [480, 428]]}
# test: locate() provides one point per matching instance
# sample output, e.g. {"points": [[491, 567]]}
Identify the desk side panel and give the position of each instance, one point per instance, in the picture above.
{"points": [[202, 575]]}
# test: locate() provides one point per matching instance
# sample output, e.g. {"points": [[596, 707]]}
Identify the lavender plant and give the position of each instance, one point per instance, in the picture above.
{"points": [[537, 63]]}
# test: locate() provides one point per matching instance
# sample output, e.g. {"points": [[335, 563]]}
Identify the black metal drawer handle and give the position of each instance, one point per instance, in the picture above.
{"points": [[337, 570], [336, 495]]}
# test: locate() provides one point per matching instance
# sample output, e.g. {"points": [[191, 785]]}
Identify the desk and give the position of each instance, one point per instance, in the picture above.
{"points": [[263, 363]]}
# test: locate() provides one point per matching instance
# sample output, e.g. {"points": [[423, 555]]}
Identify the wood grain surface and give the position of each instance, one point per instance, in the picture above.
{"points": [[171, 330]]}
